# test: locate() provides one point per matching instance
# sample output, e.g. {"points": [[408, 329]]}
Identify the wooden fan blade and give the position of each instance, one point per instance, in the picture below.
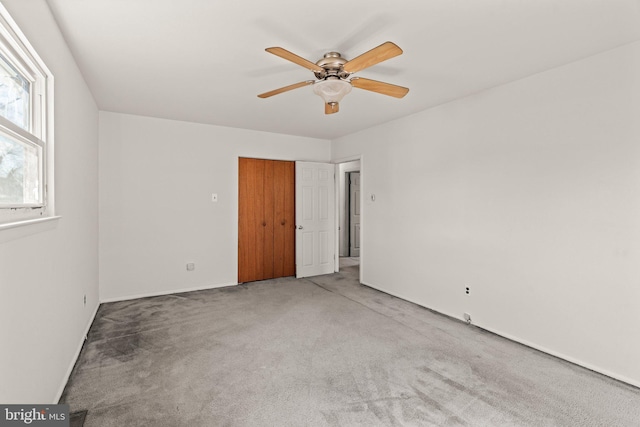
{"points": [[285, 89], [378, 54], [331, 108], [379, 87], [283, 53]]}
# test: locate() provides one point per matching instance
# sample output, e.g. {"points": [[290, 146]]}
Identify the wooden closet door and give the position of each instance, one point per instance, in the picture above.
{"points": [[266, 215], [284, 219]]}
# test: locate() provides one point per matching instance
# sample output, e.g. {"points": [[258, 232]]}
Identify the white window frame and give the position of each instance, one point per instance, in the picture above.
{"points": [[15, 47]]}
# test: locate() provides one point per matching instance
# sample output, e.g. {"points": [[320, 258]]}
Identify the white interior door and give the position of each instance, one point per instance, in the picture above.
{"points": [[315, 219], [354, 214]]}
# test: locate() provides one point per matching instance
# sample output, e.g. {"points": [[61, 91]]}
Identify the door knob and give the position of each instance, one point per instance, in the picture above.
{"points": [[299, 227], [282, 222]]}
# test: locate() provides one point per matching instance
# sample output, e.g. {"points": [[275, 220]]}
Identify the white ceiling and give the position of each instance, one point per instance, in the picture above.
{"points": [[204, 60]]}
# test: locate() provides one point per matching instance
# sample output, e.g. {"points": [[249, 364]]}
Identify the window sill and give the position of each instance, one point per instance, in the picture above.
{"points": [[15, 224]]}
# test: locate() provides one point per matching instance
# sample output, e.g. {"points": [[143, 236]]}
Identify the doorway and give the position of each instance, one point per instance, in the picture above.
{"points": [[349, 213], [353, 214]]}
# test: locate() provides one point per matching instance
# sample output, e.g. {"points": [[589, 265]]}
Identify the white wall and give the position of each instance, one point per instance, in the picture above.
{"points": [[529, 194], [46, 269], [156, 214]]}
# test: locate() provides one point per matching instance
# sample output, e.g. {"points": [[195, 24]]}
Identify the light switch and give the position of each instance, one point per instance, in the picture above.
{"points": [[214, 197]]}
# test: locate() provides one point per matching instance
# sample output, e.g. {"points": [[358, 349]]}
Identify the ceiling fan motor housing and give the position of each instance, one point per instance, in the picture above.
{"points": [[333, 63]]}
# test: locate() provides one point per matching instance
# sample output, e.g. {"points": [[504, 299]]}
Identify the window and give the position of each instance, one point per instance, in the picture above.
{"points": [[26, 134]]}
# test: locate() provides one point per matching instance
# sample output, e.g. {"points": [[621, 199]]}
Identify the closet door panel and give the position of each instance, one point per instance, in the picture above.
{"points": [[290, 220], [250, 219], [284, 214], [267, 220]]}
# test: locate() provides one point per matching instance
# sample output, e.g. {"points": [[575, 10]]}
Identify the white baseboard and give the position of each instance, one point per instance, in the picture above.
{"points": [[569, 359], [159, 293], [402, 297], [65, 379], [575, 361], [199, 288]]}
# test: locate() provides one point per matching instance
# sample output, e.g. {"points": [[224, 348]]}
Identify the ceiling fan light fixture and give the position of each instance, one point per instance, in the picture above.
{"points": [[332, 90]]}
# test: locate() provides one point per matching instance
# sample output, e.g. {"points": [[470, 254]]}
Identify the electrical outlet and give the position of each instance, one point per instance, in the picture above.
{"points": [[467, 318], [467, 290], [191, 266]]}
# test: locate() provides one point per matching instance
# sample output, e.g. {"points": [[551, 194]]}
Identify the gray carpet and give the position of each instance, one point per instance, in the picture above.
{"points": [[323, 352]]}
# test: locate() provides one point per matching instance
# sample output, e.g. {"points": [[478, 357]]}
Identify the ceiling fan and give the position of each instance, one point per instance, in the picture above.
{"points": [[333, 74]]}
